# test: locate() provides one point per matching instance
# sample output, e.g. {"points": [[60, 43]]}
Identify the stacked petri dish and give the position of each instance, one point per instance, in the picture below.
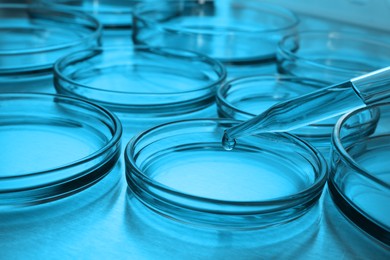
{"points": [[359, 181], [331, 56], [33, 37], [241, 34], [144, 86]]}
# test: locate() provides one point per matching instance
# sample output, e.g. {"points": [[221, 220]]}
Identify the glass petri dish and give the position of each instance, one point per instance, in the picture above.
{"points": [[241, 34], [33, 37], [331, 56], [181, 171], [53, 146], [360, 175], [115, 16], [144, 86], [246, 97]]}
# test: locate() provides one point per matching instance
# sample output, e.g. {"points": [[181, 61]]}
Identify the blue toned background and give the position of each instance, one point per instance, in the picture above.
{"points": [[106, 220]]}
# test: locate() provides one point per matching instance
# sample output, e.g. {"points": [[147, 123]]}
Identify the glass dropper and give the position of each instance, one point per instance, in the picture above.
{"points": [[316, 106]]}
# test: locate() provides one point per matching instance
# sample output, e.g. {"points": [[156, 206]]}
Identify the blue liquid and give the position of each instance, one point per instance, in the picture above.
{"points": [[35, 148], [241, 176]]}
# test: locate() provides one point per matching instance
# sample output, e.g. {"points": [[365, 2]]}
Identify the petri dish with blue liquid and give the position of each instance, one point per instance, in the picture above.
{"points": [[53, 146], [333, 56], [59, 172], [180, 170], [33, 37], [241, 34], [359, 181], [115, 16], [144, 86]]}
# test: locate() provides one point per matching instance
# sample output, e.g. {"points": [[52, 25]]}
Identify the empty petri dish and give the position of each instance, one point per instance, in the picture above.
{"points": [[144, 86], [360, 177], [241, 34], [331, 56], [180, 170], [33, 37], [246, 97], [53, 146], [115, 16]]}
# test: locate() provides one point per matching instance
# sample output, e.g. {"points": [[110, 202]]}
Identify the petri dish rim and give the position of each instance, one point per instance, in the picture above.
{"points": [[291, 199], [138, 14], [344, 155], [335, 34], [112, 142], [96, 33], [156, 50]]}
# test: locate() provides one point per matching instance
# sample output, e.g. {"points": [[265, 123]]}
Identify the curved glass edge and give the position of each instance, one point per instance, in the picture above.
{"points": [[151, 32], [339, 150], [41, 69], [276, 10], [342, 164], [229, 215], [113, 14], [290, 63], [84, 173], [135, 103], [356, 216]]}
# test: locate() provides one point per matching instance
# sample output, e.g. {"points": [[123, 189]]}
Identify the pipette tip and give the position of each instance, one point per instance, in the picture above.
{"points": [[228, 143]]}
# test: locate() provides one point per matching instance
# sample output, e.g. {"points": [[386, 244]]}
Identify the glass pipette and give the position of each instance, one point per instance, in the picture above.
{"points": [[316, 106]]}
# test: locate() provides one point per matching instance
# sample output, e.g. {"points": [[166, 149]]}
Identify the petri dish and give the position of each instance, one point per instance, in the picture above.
{"points": [[115, 16], [241, 34], [33, 37], [331, 56], [143, 85], [181, 171], [246, 97], [53, 146], [359, 182]]}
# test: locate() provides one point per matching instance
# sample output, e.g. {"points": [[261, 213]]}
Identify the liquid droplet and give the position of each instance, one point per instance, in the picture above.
{"points": [[228, 143]]}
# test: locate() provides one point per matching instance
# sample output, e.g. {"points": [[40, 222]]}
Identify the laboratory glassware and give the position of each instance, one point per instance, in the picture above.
{"points": [[33, 37], [359, 181], [241, 34], [332, 56]]}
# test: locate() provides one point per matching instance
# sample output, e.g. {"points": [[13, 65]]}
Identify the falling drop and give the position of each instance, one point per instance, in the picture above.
{"points": [[228, 143]]}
